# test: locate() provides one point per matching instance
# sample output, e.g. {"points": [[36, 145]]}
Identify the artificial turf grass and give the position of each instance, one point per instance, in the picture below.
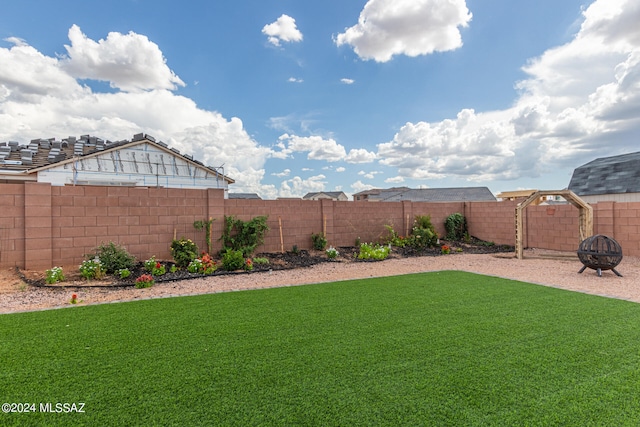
{"points": [[446, 348]]}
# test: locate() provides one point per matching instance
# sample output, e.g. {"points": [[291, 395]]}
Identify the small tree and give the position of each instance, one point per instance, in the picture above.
{"points": [[456, 226]]}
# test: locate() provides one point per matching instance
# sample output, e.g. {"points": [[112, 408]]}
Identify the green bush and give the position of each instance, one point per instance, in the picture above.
{"points": [[232, 260], [92, 269], [183, 252], [54, 275], [113, 257], [244, 236], [456, 226], [319, 241], [423, 233], [373, 251]]}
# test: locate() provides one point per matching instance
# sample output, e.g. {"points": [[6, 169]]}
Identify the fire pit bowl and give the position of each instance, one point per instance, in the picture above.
{"points": [[599, 253]]}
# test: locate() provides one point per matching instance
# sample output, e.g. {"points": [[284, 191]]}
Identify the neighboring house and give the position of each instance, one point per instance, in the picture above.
{"points": [[331, 195], [614, 178], [398, 194], [92, 161], [244, 196]]}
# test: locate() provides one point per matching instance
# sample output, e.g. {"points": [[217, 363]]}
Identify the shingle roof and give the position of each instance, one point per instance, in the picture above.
{"points": [[245, 196], [607, 175], [457, 194], [332, 194]]}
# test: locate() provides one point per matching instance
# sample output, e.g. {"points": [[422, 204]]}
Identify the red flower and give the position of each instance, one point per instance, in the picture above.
{"points": [[158, 265]]}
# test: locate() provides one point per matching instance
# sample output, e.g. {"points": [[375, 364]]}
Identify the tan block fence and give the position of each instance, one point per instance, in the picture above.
{"points": [[42, 225]]}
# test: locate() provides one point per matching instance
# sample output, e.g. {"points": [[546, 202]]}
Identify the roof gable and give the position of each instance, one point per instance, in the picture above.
{"points": [[48, 154]]}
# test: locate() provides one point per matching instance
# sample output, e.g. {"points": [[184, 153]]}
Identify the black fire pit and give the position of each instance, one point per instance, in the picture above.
{"points": [[600, 252]]}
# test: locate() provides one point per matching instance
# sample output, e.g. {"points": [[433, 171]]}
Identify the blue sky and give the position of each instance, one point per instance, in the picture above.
{"points": [[294, 97]]}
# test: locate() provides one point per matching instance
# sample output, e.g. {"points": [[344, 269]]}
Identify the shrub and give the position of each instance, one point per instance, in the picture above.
{"points": [[154, 267], [203, 265], [445, 249], [232, 260], [456, 226], [263, 261], [332, 253], [54, 275], [248, 264], [423, 233], [124, 273], [92, 269], [145, 281], [244, 236], [319, 241], [394, 239], [113, 257], [183, 251], [373, 251]]}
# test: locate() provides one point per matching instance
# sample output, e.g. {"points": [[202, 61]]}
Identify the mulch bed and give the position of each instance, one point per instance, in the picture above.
{"points": [[277, 261]]}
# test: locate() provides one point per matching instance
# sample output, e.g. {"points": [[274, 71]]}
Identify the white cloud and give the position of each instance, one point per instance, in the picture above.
{"points": [[340, 169], [41, 97], [394, 180], [130, 62], [579, 97], [282, 174], [298, 187], [347, 81], [294, 80], [359, 186], [284, 29], [317, 147], [406, 27], [360, 155]]}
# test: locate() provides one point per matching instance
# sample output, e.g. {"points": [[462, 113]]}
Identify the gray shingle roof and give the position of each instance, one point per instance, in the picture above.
{"points": [[608, 175], [458, 194]]}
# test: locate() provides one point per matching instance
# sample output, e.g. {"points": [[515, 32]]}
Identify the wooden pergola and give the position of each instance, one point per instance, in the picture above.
{"points": [[585, 211]]}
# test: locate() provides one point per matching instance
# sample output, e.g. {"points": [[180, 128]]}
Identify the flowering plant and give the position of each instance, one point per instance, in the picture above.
{"points": [[248, 265], [145, 281], [203, 265], [154, 267], [55, 275], [74, 299], [445, 249], [332, 253]]}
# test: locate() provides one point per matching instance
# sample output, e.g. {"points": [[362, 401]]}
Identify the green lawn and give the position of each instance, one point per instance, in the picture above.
{"points": [[448, 348]]}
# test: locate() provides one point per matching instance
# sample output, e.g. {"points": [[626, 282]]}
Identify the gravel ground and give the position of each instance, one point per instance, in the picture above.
{"points": [[539, 267]]}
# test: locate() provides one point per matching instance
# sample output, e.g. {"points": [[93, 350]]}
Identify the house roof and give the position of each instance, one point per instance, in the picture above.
{"points": [[331, 194], [245, 196], [42, 154], [457, 194], [608, 175]]}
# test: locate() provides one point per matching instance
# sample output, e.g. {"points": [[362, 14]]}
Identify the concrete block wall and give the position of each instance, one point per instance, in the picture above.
{"points": [[42, 226]]}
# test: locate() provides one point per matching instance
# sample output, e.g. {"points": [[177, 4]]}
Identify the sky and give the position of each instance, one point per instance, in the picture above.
{"points": [[292, 97]]}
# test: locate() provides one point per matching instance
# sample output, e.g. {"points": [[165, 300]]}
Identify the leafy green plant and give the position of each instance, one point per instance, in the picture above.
{"points": [[124, 273], [332, 253], [244, 236], [173, 269], [113, 257], [206, 224], [154, 267], [248, 265], [370, 251], [394, 239], [232, 260], [145, 281], [295, 250], [261, 260], [92, 269], [54, 275], [423, 233], [319, 241], [203, 265], [183, 251], [456, 226]]}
